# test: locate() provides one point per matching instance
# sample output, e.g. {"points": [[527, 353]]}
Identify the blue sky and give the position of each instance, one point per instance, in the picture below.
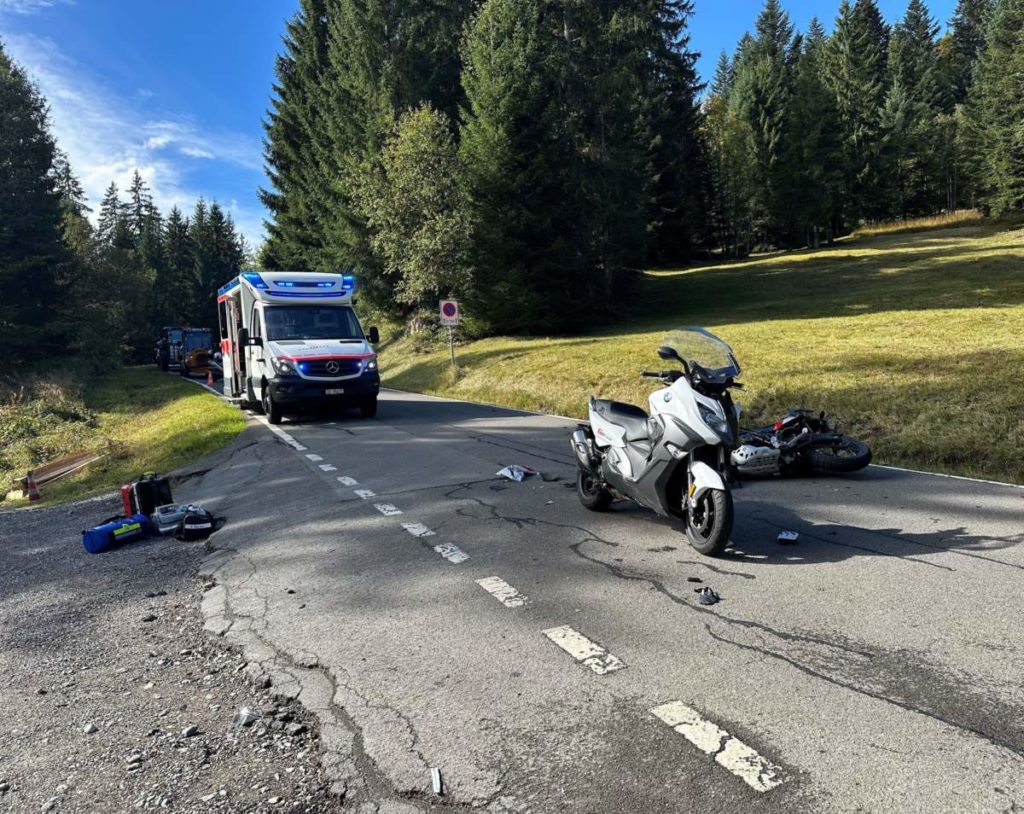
{"points": [[177, 88]]}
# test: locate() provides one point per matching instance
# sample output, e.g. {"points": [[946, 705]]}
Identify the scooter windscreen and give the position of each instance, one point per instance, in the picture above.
{"points": [[711, 354]]}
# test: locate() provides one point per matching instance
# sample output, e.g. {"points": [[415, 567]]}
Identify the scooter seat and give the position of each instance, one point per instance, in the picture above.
{"points": [[632, 418]]}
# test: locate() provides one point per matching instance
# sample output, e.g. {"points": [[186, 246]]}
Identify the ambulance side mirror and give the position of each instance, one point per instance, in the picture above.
{"points": [[243, 337], [374, 336]]}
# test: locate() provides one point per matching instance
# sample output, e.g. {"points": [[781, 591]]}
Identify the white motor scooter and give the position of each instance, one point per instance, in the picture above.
{"points": [[676, 460]]}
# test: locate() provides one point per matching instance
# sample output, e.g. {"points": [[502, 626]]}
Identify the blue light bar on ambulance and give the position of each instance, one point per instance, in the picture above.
{"points": [[348, 282], [302, 284], [255, 280]]}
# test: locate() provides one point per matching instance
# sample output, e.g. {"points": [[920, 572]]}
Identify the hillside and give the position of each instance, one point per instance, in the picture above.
{"points": [[912, 340]]}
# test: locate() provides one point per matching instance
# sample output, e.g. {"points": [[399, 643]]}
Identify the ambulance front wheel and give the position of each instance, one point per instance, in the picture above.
{"points": [[271, 409], [368, 409]]}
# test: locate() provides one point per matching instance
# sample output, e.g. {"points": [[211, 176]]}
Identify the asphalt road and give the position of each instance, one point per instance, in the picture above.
{"points": [[875, 665]]}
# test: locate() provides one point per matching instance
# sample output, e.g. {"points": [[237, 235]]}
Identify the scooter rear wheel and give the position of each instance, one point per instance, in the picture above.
{"points": [[591, 493], [709, 523]]}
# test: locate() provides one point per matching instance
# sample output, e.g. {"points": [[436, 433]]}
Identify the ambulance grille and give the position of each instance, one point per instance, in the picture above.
{"points": [[324, 368]]}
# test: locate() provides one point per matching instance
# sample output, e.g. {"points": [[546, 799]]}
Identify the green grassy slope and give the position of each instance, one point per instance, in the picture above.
{"points": [[144, 421], [914, 341]]}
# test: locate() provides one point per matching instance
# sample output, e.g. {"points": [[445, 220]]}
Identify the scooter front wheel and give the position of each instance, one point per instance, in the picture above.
{"points": [[709, 523], [591, 492]]}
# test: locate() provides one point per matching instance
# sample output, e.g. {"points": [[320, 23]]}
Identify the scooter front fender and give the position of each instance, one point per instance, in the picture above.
{"points": [[703, 478]]}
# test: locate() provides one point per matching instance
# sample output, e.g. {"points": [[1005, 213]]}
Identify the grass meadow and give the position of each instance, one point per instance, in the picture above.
{"points": [[914, 341], [141, 419]]}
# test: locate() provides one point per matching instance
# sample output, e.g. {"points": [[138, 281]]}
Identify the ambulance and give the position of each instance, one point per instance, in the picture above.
{"points": [[291, 340]]}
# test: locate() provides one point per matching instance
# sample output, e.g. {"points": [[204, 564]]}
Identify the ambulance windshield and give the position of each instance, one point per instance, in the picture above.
{"points": [[311, 322]]}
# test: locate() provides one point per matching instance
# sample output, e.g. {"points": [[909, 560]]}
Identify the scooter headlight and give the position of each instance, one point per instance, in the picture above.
{"points": [[716, 421]]}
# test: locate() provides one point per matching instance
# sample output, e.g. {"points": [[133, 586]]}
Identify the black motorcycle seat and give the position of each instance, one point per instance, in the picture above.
{"points": [[632, 418]]}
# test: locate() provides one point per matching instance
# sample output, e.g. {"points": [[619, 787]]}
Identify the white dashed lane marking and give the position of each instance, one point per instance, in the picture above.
{"points": [[313, 457], [282, 435], [417, 530], [328, 468], [366, 494], [502, 591], [451, 552], [584, 651], [344, 480], [387, 509], [727, 751]]}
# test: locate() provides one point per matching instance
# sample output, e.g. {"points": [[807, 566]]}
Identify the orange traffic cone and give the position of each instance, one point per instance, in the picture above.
{"points": [[33, 490], [209, 378]]}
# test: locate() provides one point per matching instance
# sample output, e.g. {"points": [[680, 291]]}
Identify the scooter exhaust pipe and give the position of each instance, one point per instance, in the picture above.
{"points": [[585, 451]]}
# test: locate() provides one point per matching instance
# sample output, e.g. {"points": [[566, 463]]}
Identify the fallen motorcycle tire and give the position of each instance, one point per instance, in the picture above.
{"points": [[849, 455]]}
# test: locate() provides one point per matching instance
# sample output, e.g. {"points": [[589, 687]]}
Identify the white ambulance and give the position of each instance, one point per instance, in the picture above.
{"points": [[292, 339]]}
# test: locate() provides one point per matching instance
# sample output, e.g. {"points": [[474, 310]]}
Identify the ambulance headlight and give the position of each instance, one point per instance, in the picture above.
{"points": [[282, 366], [371, 364]]}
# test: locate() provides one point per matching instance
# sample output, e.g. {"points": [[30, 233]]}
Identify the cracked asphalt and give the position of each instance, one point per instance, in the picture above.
{"points": [[874, 665]]}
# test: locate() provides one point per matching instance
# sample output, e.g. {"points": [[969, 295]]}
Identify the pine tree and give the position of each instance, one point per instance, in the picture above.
{"points": [[110, 216], [295, 145], [764, 87], [816, 183], [31, 252], [385, 57], [913, 140], [997, 110], [725, 74], [523, 193], [968, 27], [856, 70], [176, 287], [670, 120]]}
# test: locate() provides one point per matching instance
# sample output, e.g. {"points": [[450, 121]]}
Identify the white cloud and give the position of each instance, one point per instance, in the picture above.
{"points": [[30, 6], [108, 137]]}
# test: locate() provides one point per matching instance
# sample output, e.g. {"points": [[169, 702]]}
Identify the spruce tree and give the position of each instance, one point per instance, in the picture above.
{"points": [[177, 289], [527, 217], [816, 182], [856, 69], [968, 33], [914, 142], [31, 252], [296, 143], [997, 111], [764, 87], [670, 120]]}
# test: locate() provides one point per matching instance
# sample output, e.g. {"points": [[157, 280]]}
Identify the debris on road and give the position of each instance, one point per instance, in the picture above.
{"points": [[517, 472], [786, 537], [694, 579], [435, 778], [245, 717], [706, 596], [91, 729]]}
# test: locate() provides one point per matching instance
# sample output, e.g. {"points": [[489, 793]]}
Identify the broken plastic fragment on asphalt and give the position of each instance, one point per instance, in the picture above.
{"points": [[517, 472]]}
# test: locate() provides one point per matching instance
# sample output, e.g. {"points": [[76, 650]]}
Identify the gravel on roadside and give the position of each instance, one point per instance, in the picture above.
{"points": [[113, 698]]}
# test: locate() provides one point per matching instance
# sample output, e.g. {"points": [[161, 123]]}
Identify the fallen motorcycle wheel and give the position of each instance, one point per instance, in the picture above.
{"points": [[709, 523], [592, 494], [849, 455]]}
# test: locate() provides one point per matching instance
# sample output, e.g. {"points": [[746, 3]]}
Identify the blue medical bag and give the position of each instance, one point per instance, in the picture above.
{"points": [[114, 531]]}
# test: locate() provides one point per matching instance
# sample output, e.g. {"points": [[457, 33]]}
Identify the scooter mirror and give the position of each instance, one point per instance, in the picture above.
{"points": [[668, 354]]}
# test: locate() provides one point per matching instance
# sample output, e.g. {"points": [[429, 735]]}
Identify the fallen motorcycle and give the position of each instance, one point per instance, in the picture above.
{"points": [[675, 460], [801, 443]]}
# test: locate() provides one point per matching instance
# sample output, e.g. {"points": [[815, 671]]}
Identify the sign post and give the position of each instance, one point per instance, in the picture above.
{"points": [[450, 319]]}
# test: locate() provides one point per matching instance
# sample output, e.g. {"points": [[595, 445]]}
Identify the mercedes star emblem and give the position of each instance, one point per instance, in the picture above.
{"points": [[332, 366]]}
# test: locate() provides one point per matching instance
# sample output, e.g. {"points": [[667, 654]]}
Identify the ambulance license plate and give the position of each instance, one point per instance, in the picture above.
{"points": [[337, 391]]}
